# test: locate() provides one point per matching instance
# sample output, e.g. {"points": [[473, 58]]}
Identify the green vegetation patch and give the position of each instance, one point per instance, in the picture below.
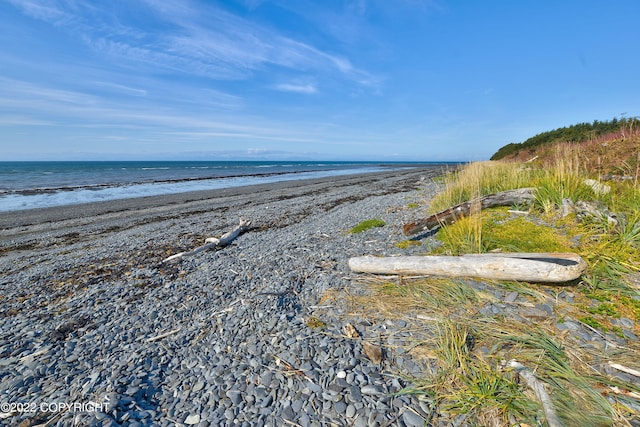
{"points": [[496, 229], [367, 225], [405, 244], [315, 323], [591, 321], [520, 234], [607, 309]]}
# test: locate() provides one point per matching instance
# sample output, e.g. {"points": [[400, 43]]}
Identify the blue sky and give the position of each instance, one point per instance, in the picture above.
{"points": [[424, 80]]}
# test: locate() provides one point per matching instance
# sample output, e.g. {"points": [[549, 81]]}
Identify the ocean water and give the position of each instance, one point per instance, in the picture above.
{"points": [[28, 185]]}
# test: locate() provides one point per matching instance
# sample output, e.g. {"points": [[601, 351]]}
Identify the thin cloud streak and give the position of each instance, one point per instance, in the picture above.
{"points": [[63, 108], [209, 41], [308, 89], [121, 88]]}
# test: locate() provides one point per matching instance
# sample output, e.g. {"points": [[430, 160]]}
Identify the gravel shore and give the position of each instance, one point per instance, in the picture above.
{"points": [[93, 319]]}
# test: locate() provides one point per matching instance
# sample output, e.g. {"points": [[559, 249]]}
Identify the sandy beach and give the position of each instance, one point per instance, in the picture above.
{"points": [[91, 314]]}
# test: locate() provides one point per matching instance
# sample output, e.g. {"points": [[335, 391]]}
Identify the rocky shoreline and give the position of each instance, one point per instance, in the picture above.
{"points": [[97, 331]]}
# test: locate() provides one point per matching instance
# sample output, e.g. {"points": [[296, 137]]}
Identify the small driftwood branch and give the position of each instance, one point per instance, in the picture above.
{"points": [[291, 369], [625, 369], [542, 395], [618, 390], [30, 357], [528, 267], [212, 242], [532, 159], [161, 336], [521, 196]]}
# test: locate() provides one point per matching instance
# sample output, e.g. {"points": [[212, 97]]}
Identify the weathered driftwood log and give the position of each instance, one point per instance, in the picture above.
{"points": [[212, 242], [521, 196], [528, 267]]}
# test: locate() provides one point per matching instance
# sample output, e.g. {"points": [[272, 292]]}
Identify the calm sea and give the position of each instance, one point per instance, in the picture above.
{"points": [[28, 185]]}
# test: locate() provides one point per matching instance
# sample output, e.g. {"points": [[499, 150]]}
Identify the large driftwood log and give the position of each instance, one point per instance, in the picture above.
{"points": [[528, 267], [521, 196], [213, 242]]}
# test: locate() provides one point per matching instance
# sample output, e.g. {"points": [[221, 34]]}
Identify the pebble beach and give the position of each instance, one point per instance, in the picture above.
{"points": [[96, 330]]}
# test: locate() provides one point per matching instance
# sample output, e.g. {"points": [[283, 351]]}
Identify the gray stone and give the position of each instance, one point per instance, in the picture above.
{"points": [[412, 419], [624, 322], [340, 407], [288, 413], [265, 379], [371, 390], [267, 401], [546, 308], [305, 420], [192, 419], [296, 405], [568, 325], [511, 297], [360, 422], [235, 396], [355, 393], [350, 412]]}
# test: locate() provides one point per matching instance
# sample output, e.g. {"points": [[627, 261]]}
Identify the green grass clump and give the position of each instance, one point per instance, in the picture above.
{"points": [[520, 234], [315, 323], [591, 321], [632, 305], [495, 229], [606, 309], [367, 225], [405, 244]]}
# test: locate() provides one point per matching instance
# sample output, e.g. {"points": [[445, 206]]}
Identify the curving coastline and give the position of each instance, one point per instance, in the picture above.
{"points": [[85, 300]]}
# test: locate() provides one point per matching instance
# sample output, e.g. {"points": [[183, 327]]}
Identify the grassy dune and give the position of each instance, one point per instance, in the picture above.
{"points": [[468, 352]]}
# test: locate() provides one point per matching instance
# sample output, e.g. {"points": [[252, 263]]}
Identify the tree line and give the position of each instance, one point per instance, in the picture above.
{"points": [[577, 133]]}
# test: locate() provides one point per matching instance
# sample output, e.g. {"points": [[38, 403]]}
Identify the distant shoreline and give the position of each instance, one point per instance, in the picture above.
{"points": [[175, 201], [31, 185]]}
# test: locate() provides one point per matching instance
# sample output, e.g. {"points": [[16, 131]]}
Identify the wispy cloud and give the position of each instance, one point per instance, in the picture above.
{"points": [[121, 88], [297, 88], [18, 91], [196, 38], [13, 120], [45, 11], [25, 103]]}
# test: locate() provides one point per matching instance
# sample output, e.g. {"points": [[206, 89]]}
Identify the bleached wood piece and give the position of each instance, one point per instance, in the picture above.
{"points": [[532, 159], [545, 400], [625, 369], [212, 242], [618, 390], [161, 336], [30, 357], [528, 267], [521, 196]]}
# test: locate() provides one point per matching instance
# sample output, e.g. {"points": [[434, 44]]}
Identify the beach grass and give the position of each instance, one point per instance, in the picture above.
{"points": [[467, 351]]}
